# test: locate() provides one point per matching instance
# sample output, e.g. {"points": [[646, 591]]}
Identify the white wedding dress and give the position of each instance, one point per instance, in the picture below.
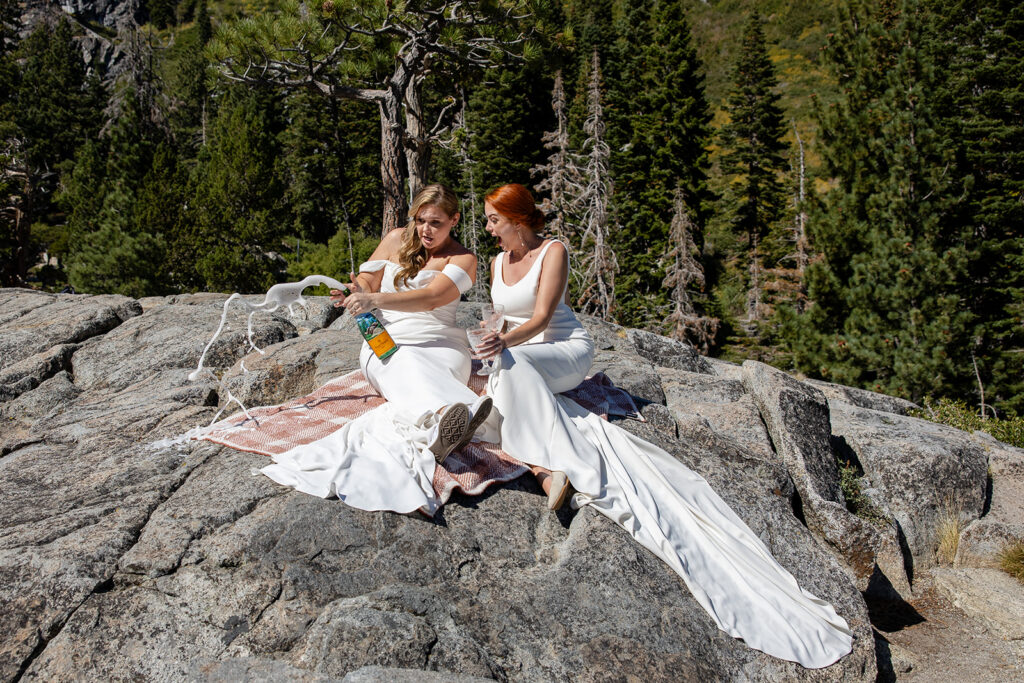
{"points": [[381, 460], [665, 506]]}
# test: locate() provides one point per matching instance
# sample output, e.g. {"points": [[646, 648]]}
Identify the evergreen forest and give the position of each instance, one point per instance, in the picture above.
{"points": [[835, 188]]}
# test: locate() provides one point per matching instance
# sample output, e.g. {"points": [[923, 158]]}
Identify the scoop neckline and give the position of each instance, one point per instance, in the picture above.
{"points": [[544, 245]]}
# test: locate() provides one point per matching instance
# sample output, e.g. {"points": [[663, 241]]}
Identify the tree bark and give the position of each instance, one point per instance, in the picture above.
{"points": [[392, 164], [417, 144]]}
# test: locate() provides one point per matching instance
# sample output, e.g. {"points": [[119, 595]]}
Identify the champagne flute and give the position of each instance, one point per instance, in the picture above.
{"points": [[492, 320]]}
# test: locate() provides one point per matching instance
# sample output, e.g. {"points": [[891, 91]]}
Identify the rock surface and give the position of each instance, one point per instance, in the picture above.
{"points": [[797, 417], [94, 23], [927, 473], [989, 595], [983, 540], [127, 555]]}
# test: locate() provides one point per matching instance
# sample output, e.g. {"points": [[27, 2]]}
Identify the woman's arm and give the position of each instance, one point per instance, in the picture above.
{"points": [[442, 290], [554, 274], [370, 282]]}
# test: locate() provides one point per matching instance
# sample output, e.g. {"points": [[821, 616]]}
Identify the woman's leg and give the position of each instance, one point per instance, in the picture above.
{"points": [[534, 427], [420, 379]]}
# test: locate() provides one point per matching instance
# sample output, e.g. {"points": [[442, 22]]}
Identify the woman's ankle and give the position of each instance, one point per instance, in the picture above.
{"points": [[543, 478]]}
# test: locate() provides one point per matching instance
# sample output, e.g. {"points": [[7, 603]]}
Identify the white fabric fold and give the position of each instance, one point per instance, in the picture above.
{"points": [[375, 462], [673, 512]]}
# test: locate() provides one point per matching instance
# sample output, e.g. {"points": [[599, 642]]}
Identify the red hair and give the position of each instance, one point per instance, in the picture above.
{"points": [[514, 202]]}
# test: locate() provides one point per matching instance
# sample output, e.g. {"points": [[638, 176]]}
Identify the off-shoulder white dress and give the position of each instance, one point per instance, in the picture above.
{"points": [[667, 507]]}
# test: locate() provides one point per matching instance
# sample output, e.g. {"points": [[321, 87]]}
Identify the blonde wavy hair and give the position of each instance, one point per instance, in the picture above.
{"points": [[412, 255]]}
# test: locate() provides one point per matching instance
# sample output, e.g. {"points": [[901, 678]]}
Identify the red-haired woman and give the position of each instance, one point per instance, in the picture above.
{"points": [[545, 350], [665, 506]]}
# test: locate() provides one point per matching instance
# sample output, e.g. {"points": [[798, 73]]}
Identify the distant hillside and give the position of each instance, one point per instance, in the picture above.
{"points": [[797, 32]]}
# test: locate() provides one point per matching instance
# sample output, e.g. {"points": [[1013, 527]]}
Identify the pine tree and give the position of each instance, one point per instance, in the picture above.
{"points": [[597, 263], [789, 274], [886, 312], [162, 13], [124, 194], [10, 25], [684, 274], [592, 26], [504, 116], [52, 108], [983, 57], [753, 162], [116, 258], [9, 210], [631, 126], [554, 175], [236, 216], [203, 24], [189, 85], [499, 138], [329, 160], [668, 149], [122, 201]]}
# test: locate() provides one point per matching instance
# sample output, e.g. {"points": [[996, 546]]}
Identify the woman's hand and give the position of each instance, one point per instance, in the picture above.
{"points": [[356, 301], [361, 302], [339, 296], [492, 345]]}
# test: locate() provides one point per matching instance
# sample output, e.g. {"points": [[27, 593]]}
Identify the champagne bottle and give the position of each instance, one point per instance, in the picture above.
{"points": [[376, 335], [374, 332]]}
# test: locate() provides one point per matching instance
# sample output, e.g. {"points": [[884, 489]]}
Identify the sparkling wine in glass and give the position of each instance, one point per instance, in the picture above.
{"points": [[492, 319]]}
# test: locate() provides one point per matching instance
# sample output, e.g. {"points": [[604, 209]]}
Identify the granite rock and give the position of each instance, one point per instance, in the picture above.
{"points": [[926, 472], [983, 540], [128, 553], [862, 398], [797, 417]]}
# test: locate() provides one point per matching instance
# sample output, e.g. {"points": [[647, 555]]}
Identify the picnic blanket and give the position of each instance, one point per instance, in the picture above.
{"points": [[273, 430]]}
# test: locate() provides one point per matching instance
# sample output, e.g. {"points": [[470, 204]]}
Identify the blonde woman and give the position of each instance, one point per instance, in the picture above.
{"points": [[385, 459], [415, 278]]}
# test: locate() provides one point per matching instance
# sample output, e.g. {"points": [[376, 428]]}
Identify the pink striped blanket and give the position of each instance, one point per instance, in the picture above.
{"points": [[271, 430]]}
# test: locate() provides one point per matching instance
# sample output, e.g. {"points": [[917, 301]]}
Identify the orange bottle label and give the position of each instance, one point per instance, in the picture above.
{"points": [[382, 344]]}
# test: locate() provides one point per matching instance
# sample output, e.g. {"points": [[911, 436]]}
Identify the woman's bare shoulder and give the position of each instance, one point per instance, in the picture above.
{"points": [[465, 260], [393, 237], [556, 250], [390, 244]]}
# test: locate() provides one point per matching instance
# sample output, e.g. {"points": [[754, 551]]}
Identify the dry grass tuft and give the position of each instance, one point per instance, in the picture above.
{"points": [[949, 528], [1011, 560]]}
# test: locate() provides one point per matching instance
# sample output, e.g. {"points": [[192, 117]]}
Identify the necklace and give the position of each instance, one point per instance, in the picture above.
{"points": [[528, 251]]}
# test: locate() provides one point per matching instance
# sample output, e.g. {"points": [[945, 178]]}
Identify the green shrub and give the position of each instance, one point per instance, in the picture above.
{"points": [[850, 479], [958, 414]]}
